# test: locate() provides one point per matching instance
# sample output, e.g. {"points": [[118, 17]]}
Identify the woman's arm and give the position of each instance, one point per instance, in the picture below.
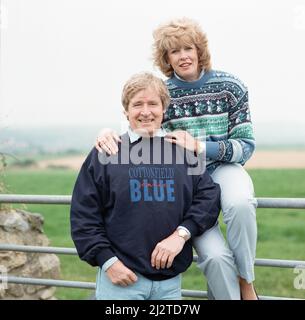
{"points": [[240, 143]]}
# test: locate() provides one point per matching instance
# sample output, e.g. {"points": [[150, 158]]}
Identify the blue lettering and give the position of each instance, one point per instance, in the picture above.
{"points": [[147, 197], [135, 192], [170, 190], [156, 188], [152, 191]]}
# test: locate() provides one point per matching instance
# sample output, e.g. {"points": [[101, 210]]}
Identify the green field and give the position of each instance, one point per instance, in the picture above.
{"points": [[281, 232]]}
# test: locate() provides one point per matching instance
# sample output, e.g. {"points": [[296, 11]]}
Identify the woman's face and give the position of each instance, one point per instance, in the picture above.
{"points": [[184, 61]]}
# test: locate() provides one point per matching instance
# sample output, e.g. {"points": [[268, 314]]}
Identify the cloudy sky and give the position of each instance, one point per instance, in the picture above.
{"points": [[65, 61]]}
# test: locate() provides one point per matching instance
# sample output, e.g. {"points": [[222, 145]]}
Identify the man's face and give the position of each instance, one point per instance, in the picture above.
{"points": [[145, 111], [184, 60]]}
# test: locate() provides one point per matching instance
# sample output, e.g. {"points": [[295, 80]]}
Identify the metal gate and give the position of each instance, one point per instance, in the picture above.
{"points": [[290, 203]]}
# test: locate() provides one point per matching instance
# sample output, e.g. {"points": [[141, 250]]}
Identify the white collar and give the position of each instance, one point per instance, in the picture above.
{"points": [[200, 76], [133, 136]]}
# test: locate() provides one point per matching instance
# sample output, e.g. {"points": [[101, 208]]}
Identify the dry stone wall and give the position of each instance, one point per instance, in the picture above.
{"points": [[24, 228]]}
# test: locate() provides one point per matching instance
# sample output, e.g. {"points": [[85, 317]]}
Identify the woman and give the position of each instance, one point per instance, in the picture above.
{"points": [[213, 107]]}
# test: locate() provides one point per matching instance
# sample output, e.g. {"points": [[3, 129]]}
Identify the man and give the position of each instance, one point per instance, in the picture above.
{"points": [[134, 219]]}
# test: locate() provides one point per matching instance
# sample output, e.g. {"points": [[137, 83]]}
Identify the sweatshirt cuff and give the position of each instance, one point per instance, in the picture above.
{"points": [[186, 229], [212, 150], [191, 227], [109, 263], [103, 256]]}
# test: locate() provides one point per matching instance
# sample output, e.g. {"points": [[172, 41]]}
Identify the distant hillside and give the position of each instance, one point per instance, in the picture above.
{"points": [[48, 139], [279, 135], [41, 140]]}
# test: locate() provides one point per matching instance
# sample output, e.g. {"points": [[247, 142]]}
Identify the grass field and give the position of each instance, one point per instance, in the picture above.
{"points": [[281, 232]]}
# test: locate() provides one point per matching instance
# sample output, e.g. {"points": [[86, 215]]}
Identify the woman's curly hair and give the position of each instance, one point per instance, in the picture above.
{"points": [[175, 34]]}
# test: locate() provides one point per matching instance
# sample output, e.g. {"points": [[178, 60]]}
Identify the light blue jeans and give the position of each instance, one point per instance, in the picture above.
{"points": [[222, 263], [142, 289]]}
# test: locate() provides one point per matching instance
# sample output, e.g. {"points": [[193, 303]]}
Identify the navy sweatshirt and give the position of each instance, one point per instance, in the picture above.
{"points": [[124, 209]]}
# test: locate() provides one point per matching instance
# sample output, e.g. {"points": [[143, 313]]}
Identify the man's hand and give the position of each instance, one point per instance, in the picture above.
{"points": [[184, 139], [165, 251], [107, 140], [119, 274]]}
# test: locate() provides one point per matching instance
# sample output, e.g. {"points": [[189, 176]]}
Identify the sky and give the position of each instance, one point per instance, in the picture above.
{"points": [[64, 62]]}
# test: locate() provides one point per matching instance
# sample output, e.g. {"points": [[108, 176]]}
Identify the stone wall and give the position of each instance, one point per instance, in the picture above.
{"points": [[24, 228]]}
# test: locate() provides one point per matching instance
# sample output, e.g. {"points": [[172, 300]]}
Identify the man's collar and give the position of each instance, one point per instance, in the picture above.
{"points": [[133, 136], [200, 76]]}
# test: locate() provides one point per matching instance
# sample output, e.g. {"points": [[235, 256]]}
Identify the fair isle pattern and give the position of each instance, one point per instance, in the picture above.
{"points": [[213, 125], [216, 110]]}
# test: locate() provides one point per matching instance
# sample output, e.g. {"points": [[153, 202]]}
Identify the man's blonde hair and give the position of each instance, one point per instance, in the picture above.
{"points": [[142, 81], [177, 33]]}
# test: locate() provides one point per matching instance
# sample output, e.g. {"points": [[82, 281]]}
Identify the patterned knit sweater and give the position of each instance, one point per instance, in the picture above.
{"points": [[214, 109]]}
